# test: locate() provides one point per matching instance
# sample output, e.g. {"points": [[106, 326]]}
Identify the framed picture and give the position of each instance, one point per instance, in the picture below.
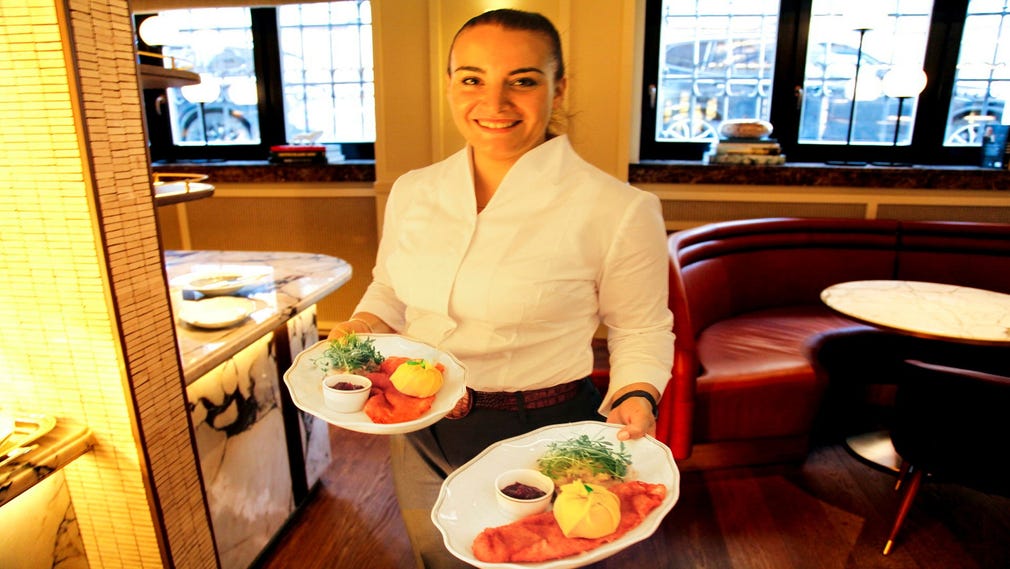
{"points": [[995, 152]]}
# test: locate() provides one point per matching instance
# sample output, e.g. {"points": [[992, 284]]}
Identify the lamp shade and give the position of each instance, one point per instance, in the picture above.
{"points": [[864, 15], [206, 91], [904, 81], [158, 30]]}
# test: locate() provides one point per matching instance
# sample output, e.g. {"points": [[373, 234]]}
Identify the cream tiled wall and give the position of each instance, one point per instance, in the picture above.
{"points": [[87, 332]]}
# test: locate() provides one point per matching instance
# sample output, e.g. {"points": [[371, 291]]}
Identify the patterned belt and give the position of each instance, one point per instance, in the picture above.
{"points": [[516, 400]]}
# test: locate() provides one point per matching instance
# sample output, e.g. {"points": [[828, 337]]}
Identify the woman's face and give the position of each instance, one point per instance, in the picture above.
{"points": [[502, 90]]}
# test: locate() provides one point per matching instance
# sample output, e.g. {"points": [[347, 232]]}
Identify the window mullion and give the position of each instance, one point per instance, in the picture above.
{"points": [[940, 65], [266, 57], [794, 21]]}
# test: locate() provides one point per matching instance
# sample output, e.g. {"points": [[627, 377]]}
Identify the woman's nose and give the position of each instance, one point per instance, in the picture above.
{"points": [[496, 97]]}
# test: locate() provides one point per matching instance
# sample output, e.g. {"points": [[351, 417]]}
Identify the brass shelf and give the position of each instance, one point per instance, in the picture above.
{"points": [[172, 188], [156, 77], [176, 74]]}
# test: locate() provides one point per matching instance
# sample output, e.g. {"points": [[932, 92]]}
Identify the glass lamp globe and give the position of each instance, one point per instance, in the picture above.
{"points": [[206, 91], [158, 30], [904, 81]]}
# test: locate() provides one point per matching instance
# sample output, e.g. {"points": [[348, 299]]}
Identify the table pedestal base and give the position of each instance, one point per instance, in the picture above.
{"points": [[875, 448]]}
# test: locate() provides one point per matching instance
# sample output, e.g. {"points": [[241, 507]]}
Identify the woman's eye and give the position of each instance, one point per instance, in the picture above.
{"points": [[470, 81], [525, 82]]}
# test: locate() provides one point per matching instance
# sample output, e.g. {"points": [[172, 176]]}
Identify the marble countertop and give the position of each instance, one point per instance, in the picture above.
{"points": [[927, 309], [797, 174], [290, 283], [251, 171], [822, 175], [45, 452]]}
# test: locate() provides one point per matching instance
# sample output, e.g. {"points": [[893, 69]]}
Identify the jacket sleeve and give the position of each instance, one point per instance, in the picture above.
{"points": [[379, 298], [633, 292]]}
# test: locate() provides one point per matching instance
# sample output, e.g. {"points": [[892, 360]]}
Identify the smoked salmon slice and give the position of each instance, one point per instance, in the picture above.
{"points": [[386, 404], [538, 538]]}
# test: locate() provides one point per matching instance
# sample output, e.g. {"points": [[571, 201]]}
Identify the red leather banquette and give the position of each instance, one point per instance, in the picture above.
{"points": [[746, 302]]}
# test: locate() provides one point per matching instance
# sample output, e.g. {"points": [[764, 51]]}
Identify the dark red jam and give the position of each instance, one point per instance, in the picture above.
{"points": [[521, 491], [346, 386]]}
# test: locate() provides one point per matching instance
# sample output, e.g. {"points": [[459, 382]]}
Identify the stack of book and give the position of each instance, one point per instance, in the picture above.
{"points": [[298, 154], [763, 151]]}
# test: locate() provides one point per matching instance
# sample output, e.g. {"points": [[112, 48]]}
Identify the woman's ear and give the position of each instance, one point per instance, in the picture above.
{"points": [[560, 88]]}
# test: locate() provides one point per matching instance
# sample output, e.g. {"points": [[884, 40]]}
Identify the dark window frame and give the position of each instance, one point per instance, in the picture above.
{"points": [[946, 25], [266, 57]]}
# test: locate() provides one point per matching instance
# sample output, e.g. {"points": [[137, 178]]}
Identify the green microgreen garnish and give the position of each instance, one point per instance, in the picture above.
{"points": [[582, 453], [350, 353]]}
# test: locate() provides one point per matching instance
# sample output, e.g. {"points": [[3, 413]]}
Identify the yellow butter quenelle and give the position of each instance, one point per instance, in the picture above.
{"points": [[587, 510], [417, 378]]}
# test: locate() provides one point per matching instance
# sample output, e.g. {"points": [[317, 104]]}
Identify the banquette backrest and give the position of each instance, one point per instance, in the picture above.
{"points": [[965, 254], [725, 269]]}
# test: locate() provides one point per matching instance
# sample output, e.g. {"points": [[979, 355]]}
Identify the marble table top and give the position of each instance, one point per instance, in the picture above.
{"points": [[291, 283], [925, 309], [58, 442]]}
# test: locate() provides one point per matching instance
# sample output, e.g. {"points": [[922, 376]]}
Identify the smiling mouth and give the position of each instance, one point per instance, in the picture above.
{"points": [[496, 125]]}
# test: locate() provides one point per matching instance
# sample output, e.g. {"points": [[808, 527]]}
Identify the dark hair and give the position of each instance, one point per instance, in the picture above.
{"points": [[519, 20]]}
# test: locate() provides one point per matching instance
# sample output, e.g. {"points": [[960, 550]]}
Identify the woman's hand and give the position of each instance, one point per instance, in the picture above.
{"points": [[635, 413], [360, 323]]}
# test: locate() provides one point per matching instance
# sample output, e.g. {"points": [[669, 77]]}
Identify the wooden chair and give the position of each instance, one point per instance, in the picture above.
{"points": [[952, 424]]}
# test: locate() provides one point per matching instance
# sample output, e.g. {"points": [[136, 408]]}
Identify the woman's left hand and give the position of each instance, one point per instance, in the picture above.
{"points": [[635, 413]]}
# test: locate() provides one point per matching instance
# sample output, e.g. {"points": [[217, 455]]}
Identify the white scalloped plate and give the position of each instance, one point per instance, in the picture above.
{"points": [[466, 503], [216, 312], [304, 381], [221, 280]]}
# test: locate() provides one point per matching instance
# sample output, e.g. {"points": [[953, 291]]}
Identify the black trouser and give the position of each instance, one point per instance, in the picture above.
{"points": [[423, 459]]}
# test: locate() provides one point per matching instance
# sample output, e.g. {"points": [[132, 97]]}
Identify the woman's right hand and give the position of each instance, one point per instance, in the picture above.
{"points": [[361, 323]]}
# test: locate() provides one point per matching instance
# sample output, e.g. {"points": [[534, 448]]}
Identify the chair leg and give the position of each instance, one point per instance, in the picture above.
{"points": [[906, 504], [903, 471]]}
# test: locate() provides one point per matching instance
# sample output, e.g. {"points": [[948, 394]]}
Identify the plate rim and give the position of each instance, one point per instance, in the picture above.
{"points": [[249, 306], [652, 521], [370, 427], [249, 274]]}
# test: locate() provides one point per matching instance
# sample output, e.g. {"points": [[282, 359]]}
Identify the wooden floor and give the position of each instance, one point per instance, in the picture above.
{"points": [[831, 512]]}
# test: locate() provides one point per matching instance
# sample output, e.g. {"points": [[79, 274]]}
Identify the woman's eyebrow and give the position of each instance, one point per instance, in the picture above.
{"points": [[526, 70], [475, 69]]}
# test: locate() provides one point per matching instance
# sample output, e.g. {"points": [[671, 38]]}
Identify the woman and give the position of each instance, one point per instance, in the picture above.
{"points": [[509, 254]]}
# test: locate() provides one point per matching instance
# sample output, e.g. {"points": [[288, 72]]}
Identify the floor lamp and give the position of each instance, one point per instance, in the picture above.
{"points": [[206, 91], [855, 83], [903, 82]]}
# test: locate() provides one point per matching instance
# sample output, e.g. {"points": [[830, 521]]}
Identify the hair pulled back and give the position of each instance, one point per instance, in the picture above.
{"points": [[518, 20]]}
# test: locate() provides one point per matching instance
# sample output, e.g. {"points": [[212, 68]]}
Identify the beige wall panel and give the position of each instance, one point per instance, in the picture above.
{"points": [[601, 71], [403, 77], [683, 213], [918, 212], [169, 231]]}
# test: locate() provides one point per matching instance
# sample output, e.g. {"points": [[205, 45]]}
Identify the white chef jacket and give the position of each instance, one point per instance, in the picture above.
{"points": [[517, 291]]}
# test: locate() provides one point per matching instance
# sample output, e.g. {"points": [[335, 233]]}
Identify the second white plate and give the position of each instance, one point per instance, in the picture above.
{"points": [[466, 504], [216, 312]]}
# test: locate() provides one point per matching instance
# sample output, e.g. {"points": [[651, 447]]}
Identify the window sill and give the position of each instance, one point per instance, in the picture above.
{"points": [[260, 171], [649, 172], [824, 175]]}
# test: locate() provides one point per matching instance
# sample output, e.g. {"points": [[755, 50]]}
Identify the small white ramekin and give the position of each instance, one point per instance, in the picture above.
{"points": [[344, 400]]}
